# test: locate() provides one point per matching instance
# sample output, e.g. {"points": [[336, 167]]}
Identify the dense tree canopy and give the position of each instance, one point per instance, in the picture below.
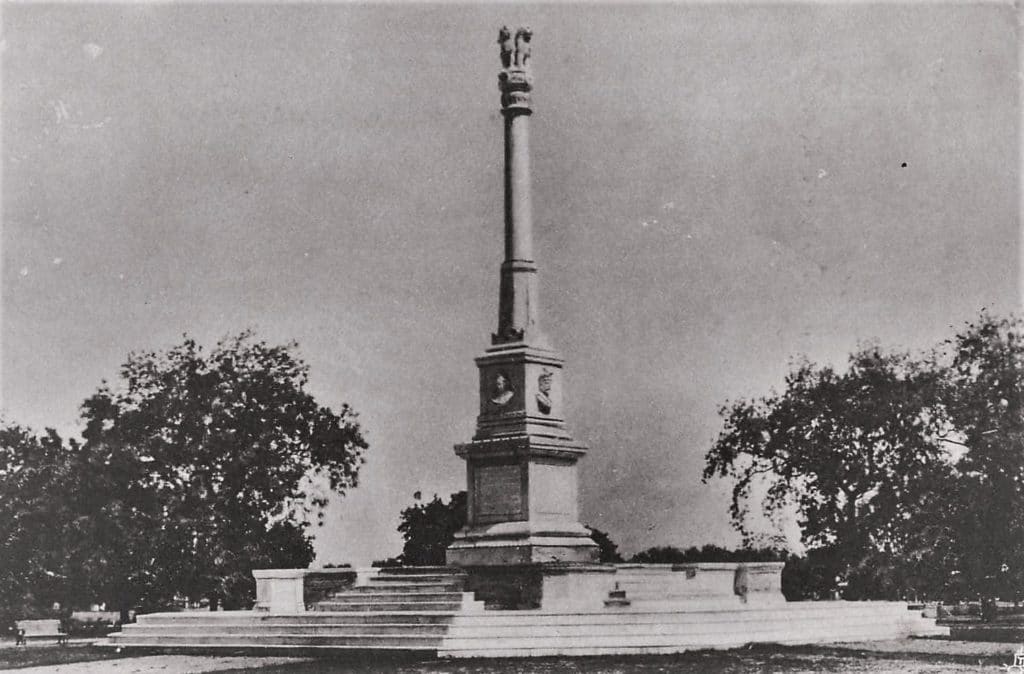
{"points": [[904, 474], [984, 398], [38, 542], [429, 528], [857, 454], [195, 468]]}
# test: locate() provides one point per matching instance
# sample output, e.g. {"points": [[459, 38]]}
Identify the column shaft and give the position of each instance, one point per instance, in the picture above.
{"points": [[518, 209]]}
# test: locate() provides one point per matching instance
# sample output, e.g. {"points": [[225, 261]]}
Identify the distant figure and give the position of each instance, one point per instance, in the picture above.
{"points": [[507, 46], [523, 36]]}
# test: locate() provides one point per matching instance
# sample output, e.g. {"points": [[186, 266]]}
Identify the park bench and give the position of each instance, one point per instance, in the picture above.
{"points": [[39, 629]]}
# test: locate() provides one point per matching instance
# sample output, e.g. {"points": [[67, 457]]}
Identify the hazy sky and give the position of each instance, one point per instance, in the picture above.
{"points": [[716, 189]]}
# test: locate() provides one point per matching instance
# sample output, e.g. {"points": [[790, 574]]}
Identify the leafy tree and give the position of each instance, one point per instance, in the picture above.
{"points": [[37, 540], [210, 465], [608, 551], [984, 397], [51, 539], [857, 455], [429, 528]]}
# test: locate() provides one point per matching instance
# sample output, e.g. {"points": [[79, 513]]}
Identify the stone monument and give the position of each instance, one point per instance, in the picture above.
{"points": [[521, 580], [521, 463]]}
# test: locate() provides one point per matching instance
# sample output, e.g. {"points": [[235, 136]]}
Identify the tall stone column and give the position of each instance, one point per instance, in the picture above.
{"points": [[521, 462], [517, 307]]}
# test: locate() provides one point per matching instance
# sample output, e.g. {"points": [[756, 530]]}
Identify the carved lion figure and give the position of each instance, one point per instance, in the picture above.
{"points": [[523, 36], [507, 46]]}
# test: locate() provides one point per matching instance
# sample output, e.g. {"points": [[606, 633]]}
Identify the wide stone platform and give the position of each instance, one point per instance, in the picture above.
{"points": [[426, 612]]}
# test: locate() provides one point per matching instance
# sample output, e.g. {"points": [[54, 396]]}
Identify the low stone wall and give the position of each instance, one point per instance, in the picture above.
{"points": [[568, 586], [711, 583], [291, 590], [321, 583]]}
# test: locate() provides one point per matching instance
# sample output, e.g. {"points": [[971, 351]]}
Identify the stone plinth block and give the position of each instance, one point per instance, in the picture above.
{"points": [[550, 586], [522, 504], [279, 590], [289, 590]]}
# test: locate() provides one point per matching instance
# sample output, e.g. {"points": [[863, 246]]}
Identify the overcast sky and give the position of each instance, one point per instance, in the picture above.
{"points": [[716, 189]]}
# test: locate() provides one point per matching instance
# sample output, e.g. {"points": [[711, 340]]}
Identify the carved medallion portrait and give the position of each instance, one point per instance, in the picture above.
{"points": [[502, 392], [544, 394]]}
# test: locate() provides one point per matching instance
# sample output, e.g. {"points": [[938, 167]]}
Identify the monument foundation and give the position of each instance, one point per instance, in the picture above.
{"points": [[521, 463]]}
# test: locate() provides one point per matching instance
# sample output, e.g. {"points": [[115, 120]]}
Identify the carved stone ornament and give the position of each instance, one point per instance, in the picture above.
{"points": [[515, 51], [516, 99], [509, 334], [544, 394], [523, 36], [502, 392], [507, 46]]}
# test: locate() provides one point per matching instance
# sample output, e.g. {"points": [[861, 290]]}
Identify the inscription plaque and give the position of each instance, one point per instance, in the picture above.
{"points": [[498, 491], [552, 491]]}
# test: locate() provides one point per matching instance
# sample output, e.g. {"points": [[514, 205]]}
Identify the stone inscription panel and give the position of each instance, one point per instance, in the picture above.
{"points": [[498, 492], [553, 491]]}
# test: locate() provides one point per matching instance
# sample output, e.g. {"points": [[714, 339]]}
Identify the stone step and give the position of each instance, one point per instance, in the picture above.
{"points": [[481, 627], [487, 646], [420, 570], [213, 620], [342, 629], [635, 615], [253, 640], [614, 631], [417, 597], [568, 650], [457, 632], [388, 606], [422, 578], [376, 654], [412, 588]]}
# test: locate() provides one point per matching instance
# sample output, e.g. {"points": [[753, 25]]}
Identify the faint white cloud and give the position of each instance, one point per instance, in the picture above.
{"points": [[24, 271], [92, 50], [60, 109], [58, 260]]}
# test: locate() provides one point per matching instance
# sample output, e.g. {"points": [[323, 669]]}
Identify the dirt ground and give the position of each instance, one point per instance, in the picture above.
{"points": [[905, 655]]}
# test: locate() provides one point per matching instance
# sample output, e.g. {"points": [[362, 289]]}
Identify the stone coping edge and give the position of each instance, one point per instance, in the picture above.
{"points": [[301, 573], [709, 566]]}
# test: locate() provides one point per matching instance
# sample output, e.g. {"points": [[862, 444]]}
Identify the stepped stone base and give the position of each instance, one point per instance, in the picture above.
{"points": [[553, 586], [428, 612]]}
